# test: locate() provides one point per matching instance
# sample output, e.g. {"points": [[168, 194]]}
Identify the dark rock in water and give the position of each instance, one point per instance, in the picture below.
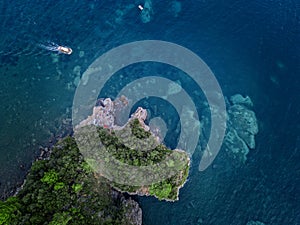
{"points": [[134, 213], [100, 102]]}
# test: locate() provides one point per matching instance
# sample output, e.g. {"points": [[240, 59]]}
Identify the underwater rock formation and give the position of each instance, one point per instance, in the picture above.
{"points": [[241, 127], [240, 100], [175, 8], [147, 12], [174, 88]]}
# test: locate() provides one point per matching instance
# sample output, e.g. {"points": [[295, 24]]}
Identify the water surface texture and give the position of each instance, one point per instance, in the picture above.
{"points": [[252, 47]]}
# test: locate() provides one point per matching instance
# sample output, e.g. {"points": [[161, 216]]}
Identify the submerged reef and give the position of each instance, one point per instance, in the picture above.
{"points": [[241, 127], [175, 8], [63, 190], [131, 156], [147, 12]]}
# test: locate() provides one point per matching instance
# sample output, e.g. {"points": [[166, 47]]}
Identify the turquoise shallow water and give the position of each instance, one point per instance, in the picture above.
{"points": [[252, 48]]}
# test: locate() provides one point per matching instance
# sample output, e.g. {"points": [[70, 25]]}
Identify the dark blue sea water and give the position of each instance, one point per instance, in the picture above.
{"points": [[252, 47]]}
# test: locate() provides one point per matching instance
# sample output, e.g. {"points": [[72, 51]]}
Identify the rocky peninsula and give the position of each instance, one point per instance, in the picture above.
{"points": [[131, 156], [67, 186]]}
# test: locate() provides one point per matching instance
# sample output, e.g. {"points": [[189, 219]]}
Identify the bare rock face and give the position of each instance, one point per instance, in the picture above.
{"points": [[134, 215], [104, 113], [133, 212], [140, 114]]}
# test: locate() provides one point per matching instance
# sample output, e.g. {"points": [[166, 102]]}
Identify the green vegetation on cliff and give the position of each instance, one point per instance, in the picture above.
{"points": [[136, 149], [63, 190], [66, 189]]}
